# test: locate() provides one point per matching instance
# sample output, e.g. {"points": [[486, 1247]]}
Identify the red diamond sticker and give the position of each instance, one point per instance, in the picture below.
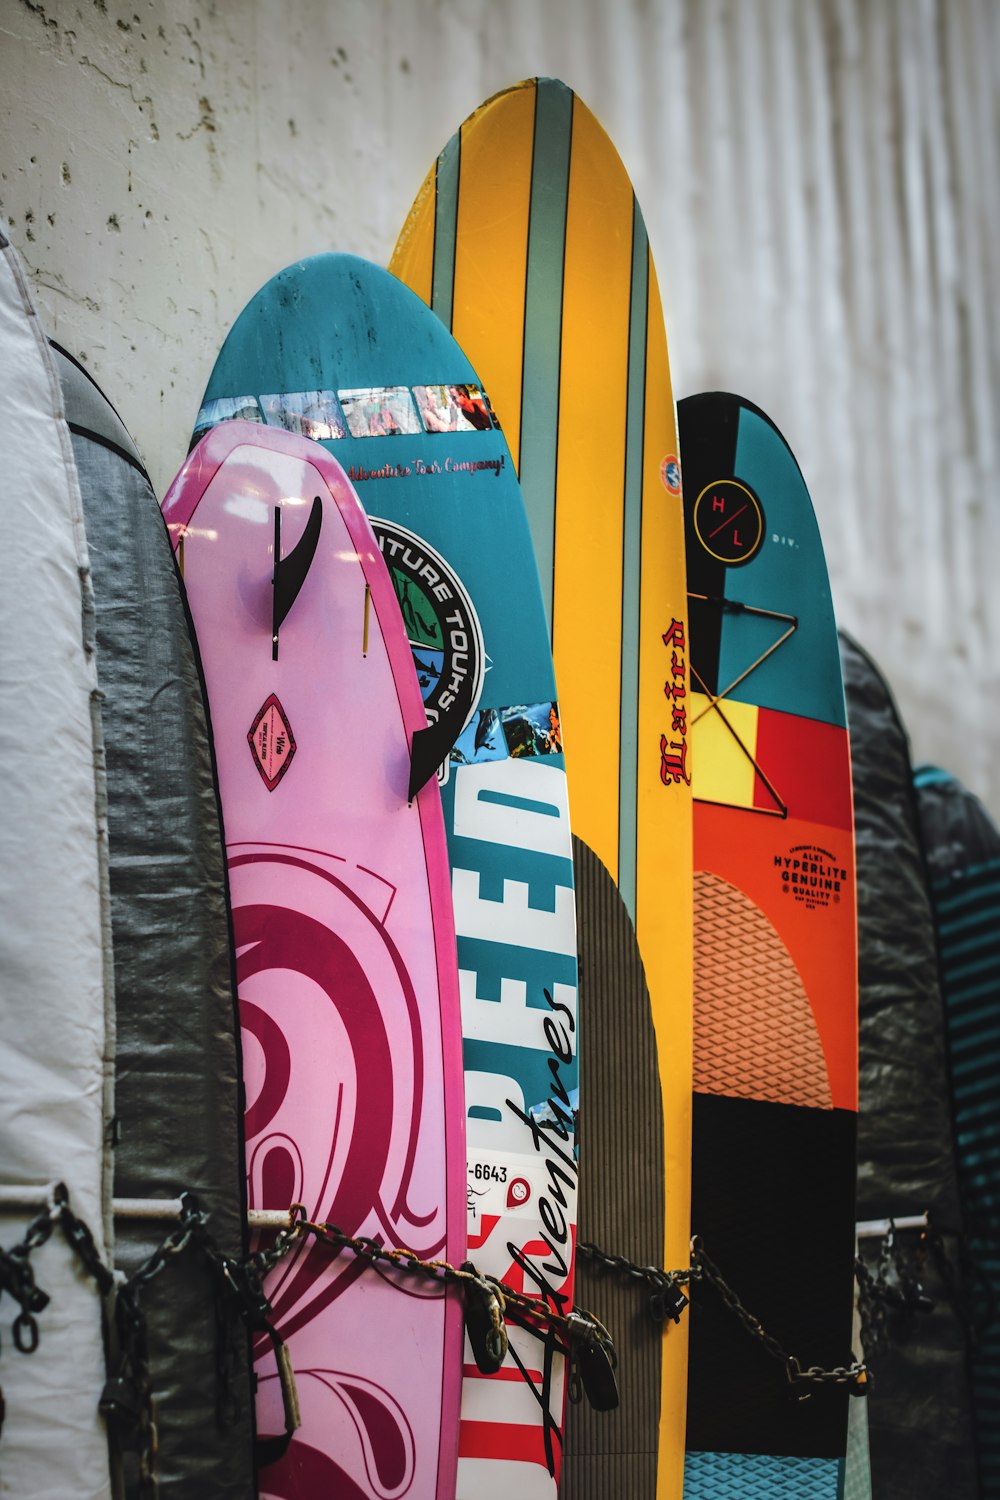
{"points": [[272, 743]]}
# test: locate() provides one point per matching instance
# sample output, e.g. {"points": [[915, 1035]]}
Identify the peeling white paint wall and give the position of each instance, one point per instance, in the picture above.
{"points": [[820, 179]]}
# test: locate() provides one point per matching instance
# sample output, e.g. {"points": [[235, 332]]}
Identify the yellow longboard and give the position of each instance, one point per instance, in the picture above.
{"points": [[527, 241]]}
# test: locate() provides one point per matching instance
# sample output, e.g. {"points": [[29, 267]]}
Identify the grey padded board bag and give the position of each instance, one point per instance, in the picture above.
{"points": [[178, 1094]]}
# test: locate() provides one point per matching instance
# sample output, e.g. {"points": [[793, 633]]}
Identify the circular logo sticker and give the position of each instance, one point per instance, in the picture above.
{"points": [[670, 473], [442, 627], [729, 522]]}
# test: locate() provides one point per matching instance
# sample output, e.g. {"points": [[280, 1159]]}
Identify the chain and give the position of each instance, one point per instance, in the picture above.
{"points": [[703, 1268], [651, 1274], [127, 1398], [872, 1311], [895, 1286], [127, 1401], [17, 1277], [855, 1375], [586, 1343], [667, 1299], [284, 1241], [81, 1241], [501, 1298]]}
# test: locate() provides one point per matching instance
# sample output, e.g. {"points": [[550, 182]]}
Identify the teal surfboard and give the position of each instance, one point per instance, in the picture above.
{"points": [[341, 351]]}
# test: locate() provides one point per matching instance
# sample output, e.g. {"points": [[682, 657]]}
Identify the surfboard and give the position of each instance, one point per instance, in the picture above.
{"points": [[178, 1121], [962, 843], [345, 955], [341, 347], [906, 1156], [621, 1190], [527, 240], [55, 959], [775, 997]]}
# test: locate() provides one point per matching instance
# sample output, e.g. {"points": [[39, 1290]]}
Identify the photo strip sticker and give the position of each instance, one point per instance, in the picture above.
{"points": [[453, 408], [532, 729], [481, 740], [226, 409], [379, 411], [312, 414], [521, 730]]}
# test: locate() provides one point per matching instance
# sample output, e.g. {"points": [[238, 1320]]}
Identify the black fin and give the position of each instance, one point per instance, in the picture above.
{"points": [[290, 572]]}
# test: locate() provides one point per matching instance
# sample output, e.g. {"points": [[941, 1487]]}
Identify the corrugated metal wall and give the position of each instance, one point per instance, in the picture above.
{"points": [[820, 179]]}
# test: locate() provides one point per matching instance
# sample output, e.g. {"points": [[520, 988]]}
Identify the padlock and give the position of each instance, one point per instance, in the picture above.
{"points": [[487, 1335], [596, 1360], [668, 1301]]}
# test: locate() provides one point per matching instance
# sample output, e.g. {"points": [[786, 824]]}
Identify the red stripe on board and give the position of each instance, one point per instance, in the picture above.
{"points": [[507, 1440], [508, 1372]]}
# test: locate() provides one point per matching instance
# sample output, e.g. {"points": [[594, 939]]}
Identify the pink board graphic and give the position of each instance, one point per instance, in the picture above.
{"points": [[345, 949]]}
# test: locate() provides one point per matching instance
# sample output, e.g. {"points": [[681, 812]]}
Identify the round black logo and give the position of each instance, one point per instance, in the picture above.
{"points": [[729, 522]]}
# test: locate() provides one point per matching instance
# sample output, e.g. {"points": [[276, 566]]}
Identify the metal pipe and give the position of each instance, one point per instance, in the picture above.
{"points": [[146, 1208], [269, 1218], [18, 1199], [172, 1208], [31, 1199], [870, 1229]]}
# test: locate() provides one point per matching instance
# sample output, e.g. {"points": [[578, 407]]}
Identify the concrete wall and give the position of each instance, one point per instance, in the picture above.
{"points": [[820, 179]]}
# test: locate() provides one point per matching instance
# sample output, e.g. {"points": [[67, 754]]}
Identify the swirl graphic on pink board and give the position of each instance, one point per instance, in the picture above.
{"points": [[342, 1020], [360, 1169]]}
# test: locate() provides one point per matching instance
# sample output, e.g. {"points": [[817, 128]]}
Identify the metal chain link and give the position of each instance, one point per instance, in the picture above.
{"points": [[855, 1375], [17, 1277], [587, 1343], [81, 1241], [501, 1298], [872, 1310], [667, 1299], [895, 1286], [652, 1275], [702, 1268], [128, 1400]]}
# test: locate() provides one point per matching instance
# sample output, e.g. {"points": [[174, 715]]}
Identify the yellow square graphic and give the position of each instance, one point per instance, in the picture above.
{"points": [[722, 771]]}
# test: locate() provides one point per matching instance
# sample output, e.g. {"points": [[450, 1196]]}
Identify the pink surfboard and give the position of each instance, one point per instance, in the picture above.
{"points": [[345, 948]]}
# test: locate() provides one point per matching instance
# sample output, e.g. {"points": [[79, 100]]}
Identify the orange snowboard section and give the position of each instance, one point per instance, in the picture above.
{"points": [[800, 877], [755, 1035]]}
